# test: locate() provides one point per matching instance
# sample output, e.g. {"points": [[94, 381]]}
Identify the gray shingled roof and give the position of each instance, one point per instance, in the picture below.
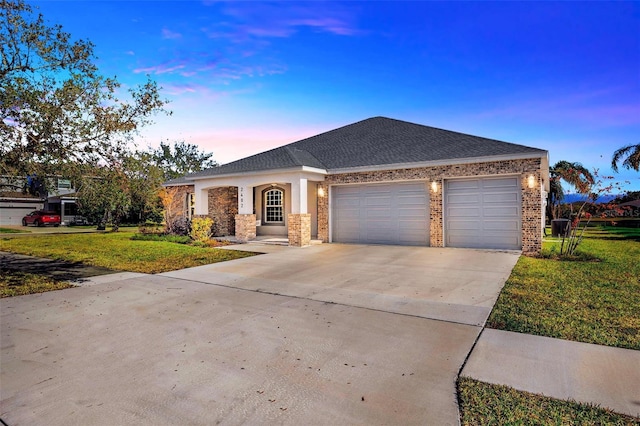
{"points": [[376, 141]]}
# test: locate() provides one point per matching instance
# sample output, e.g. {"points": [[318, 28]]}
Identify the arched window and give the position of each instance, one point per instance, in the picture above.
{"points": [[273, 202]]}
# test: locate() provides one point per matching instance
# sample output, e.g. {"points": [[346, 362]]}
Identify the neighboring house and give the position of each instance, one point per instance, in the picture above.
{"points": [[380, 181], [19, 197]]}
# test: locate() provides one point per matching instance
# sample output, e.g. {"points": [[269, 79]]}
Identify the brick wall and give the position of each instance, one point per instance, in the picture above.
{"points": [[299, 229], [223, 207], [245, 227], [531, 198], [180, 199]]}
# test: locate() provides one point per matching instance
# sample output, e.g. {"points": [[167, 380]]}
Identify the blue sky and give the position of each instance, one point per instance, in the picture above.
{"points": [[244, 77]]}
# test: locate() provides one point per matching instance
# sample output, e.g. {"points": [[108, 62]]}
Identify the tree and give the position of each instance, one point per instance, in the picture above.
{"points": [[175, 222], [632, 160], [574, 174], [129, 187], [181, 159], [58, 113]]}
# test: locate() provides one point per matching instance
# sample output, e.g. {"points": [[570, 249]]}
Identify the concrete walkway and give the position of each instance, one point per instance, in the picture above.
{"points": [[601, 375]]}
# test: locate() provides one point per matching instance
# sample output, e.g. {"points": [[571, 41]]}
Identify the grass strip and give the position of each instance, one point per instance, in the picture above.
{"points": [[486, 404], [12, 231], [13, 283], [592, 301]]}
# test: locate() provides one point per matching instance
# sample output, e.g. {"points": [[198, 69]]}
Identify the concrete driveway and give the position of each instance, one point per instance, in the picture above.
{"points": [[332, 334]]}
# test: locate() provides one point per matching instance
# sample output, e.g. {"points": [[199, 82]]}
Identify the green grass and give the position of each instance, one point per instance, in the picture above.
{"points": [[593, 301], [484, 404], [14, 283], [118, 251], [12, 231]]}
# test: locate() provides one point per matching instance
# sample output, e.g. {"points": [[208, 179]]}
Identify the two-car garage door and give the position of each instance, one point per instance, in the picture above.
{"points": [[478, 213], [483, 213], [390, 213]]}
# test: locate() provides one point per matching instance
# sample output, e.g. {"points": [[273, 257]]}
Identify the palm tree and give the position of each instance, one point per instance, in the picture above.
{"points": [[574, 174], [632, 152]]}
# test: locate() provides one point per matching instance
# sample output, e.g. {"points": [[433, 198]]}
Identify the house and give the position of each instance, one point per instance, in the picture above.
{"points": [[20, 196], [380, 181]]}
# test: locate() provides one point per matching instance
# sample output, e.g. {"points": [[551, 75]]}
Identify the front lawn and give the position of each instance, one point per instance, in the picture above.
{"points": [[485, 404], [118, 251], [593, 301]]}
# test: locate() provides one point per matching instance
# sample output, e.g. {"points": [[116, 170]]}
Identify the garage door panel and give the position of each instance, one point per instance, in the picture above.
{"points": [[464, 212], [465, 225], [395, 213], [463, 185], [488, 218], [510, 212], [501, 225], [499, 184], [501, 198]]}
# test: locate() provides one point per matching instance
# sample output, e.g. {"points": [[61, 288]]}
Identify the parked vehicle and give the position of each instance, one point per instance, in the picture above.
{"points": [[41, 218], [79, 220]]}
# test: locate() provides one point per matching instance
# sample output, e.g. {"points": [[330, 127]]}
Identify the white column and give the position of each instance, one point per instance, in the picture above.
{"points": [[202, 201], [245, 199], [299, 196], [62, 212]]}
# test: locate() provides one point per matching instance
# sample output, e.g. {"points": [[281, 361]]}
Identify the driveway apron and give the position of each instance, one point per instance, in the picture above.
{"points": [[356, 344]]}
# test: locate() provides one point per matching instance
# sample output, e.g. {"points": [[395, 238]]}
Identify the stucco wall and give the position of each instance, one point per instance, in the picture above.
{"points": [[531, 198]]}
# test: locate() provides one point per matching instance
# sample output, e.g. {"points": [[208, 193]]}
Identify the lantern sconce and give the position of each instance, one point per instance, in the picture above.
{"points": [[434, 186], [531, 181], [320, 191]]}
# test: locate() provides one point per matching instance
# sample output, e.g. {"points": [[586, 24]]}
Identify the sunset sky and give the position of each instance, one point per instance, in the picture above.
{"points": [[244, 77]]}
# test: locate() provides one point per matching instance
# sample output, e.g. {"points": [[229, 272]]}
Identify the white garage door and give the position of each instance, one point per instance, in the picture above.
{"points": [[393, 213], [483, 213], [14, 215]]}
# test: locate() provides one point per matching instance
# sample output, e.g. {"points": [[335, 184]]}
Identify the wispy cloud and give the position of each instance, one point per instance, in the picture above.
{"points": [[599, 108], [239, 42], [165, 68], [171, 35], [265, 20]]}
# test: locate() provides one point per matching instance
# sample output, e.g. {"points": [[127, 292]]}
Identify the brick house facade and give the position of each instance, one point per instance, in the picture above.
{"points": [[329, 185]]}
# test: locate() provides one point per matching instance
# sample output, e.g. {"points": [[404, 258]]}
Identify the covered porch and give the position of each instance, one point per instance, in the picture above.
{"points": [[281, 204]]}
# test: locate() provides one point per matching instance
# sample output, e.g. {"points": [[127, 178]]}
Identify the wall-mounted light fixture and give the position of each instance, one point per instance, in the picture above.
{"points": [[531, 181], [434, 186], [320, 191]]}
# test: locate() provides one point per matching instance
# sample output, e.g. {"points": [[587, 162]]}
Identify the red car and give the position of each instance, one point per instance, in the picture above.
{"points": [[41, 218]]}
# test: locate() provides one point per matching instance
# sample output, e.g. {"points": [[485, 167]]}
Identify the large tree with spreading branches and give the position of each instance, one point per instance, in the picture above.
{"points": [[59, 114], [181, 158]]}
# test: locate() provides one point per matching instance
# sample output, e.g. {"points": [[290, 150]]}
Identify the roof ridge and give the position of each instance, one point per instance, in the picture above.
{"points": [[291, 150]]}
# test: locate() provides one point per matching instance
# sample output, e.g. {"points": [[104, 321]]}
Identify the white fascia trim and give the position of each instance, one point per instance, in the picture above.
{"points": [[451, 162], [187, 183], [262, 172]]}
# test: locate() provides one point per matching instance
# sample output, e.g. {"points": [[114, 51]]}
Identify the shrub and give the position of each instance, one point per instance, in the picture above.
{"points": [[150, 228], [201, 229]]}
